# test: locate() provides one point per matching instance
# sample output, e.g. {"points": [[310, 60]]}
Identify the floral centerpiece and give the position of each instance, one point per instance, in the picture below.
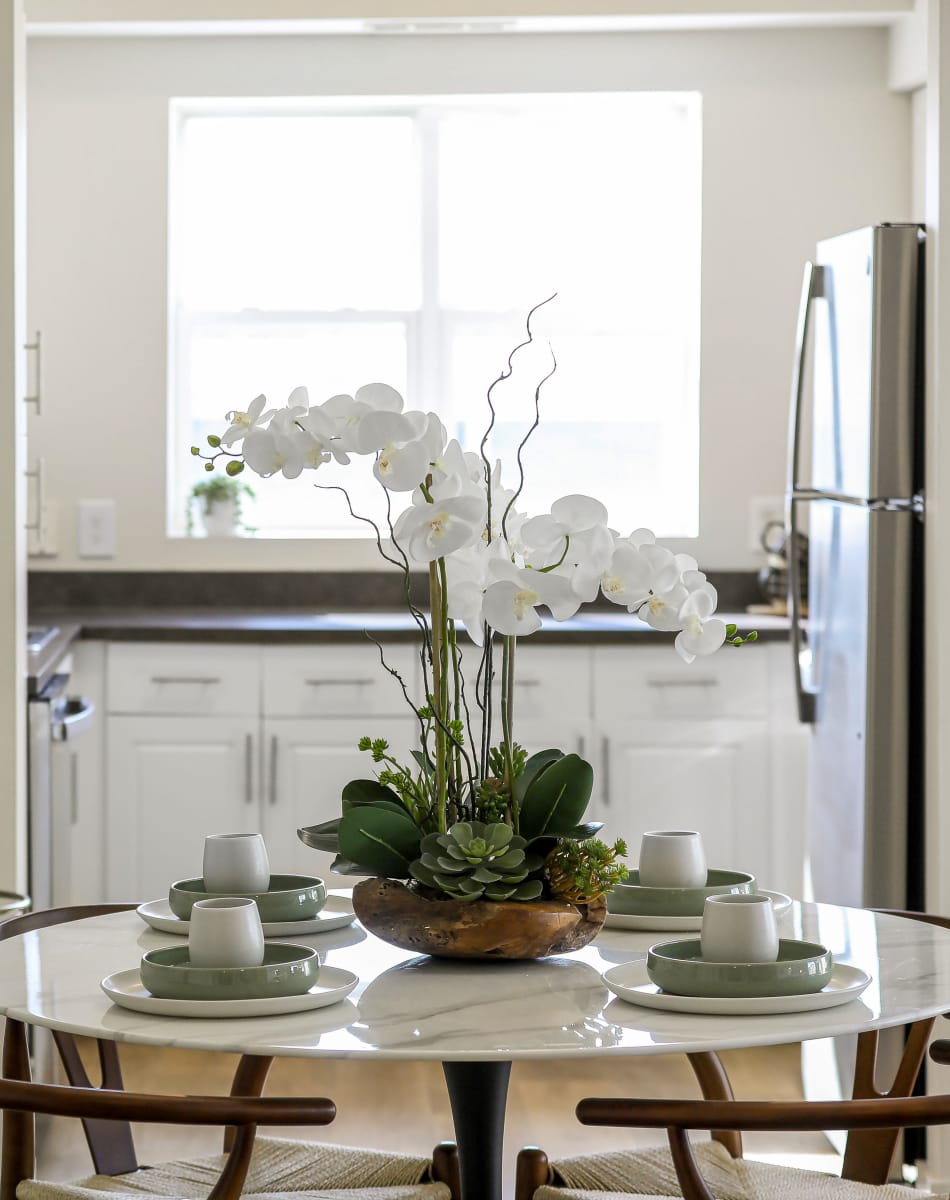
{"points": [[473, 823]]}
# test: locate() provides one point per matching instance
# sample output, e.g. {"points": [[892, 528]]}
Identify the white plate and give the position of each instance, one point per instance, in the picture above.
{"points": [[337, 912], [125, 989], [780, 902], [631, 982]]}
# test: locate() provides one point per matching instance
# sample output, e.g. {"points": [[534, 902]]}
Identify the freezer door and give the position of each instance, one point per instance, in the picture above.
{"points": [[865, 356], [859, 632]]}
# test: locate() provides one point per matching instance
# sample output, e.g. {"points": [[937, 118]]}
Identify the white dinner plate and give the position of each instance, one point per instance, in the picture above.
{"points": [[337, 912], [125, 988], [631, 982], [780, 902]]}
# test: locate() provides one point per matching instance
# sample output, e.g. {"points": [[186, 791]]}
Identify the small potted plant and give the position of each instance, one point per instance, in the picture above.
{"points": [[219, 499]]}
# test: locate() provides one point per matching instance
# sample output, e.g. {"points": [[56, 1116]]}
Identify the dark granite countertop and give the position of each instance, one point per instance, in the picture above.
{"points": [[307, 627]]}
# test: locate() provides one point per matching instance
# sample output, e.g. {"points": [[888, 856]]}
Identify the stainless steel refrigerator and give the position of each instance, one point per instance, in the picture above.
{"points": [[855, 493]]}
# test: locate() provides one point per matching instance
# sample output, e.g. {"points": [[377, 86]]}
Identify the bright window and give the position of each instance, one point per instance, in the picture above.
{"points": [[335, 242]]}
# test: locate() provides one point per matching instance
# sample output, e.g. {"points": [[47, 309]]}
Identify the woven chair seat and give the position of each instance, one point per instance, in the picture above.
{"points": [[279, 1168], [629, 1174]]}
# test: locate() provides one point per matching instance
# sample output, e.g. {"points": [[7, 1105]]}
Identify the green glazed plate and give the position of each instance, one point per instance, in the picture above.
{"points": [[677, 967], [632, 898], [287, 970]]}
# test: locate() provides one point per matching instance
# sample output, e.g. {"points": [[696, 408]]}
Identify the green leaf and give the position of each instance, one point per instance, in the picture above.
{"points": [[532, 769], [580, 833], [343, 866], [556, 799], [384, 840], [324, 836], [423, 762], [369, 791], [731, 629]]}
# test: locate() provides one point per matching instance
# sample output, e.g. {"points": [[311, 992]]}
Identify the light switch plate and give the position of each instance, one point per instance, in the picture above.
{"points": [[96, 529]]}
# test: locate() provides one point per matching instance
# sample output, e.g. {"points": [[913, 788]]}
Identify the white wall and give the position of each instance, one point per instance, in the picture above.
{"points": [[802, 139]]}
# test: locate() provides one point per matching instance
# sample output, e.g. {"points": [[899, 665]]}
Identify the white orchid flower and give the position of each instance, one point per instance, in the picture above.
{"points": [[701, 632], [267, 451], [629, 577], [243, 422], [431, 531], [662, 610]]}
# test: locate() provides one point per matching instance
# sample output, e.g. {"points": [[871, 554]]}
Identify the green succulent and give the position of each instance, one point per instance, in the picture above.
{"points": [[473, 860]]}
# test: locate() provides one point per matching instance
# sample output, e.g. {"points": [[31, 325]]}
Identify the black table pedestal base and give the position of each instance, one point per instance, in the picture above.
{"points": [[478, 1092]]}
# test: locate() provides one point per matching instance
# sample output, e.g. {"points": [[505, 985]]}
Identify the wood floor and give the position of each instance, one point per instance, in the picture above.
{"points": [[403, 1106]]}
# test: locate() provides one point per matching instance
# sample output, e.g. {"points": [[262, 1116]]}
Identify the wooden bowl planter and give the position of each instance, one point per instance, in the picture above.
{"points": [[477, 928]]}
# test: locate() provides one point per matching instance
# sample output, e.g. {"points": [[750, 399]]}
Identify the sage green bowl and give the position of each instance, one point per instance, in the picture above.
{"points": [[632, 899], [287, 970], [677, 967], [289, 897]]}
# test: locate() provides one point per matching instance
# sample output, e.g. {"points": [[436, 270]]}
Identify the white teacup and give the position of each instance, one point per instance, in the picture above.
{"points": [[739, 928], [225, 931], [235, 862], [672, 858]]}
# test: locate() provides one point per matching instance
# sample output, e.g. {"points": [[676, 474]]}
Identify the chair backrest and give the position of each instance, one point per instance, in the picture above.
{"points": [[245, 1113], [110, 1143], [680, 1116]]}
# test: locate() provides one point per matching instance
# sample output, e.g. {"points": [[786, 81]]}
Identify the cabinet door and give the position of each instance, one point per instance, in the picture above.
{"points": [[172, 781], [707, 775], [307, 763]]}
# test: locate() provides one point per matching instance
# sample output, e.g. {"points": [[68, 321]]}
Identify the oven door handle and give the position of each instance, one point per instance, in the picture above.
{"points": [[74, 718]]}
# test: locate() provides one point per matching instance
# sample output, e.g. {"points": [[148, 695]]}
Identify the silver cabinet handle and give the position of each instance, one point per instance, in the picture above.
{"points": [[201, 680], [37, 473], [36, 397], [74, 789], [338, 682], [272, 798], [605, 771], [700, 681], [248, 768]]}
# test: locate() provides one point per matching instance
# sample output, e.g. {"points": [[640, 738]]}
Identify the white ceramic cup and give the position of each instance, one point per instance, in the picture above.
{"points": [[739, 928], [235, 862], [225, 932], [672, 858]]}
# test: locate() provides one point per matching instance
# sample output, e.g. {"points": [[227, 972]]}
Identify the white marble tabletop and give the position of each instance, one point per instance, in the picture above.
{"points": [[411, 1007]]}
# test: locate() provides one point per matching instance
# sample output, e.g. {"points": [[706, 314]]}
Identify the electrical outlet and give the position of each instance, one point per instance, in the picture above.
{"points": [[96, 529], [763, 509]]}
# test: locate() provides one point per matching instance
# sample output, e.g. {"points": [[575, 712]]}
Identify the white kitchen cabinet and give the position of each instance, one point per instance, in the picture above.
{"points": [[707, 775], [171, 781], [307, 764], [205, 739]]}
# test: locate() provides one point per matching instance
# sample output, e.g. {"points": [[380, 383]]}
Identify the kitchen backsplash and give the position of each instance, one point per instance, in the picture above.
{"points": [[320, 590]]}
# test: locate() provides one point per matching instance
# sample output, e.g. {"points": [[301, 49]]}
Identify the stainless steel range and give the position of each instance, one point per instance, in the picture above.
{"points": [[54, 718]]}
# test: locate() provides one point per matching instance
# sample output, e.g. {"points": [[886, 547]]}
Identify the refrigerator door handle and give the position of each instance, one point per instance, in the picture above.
{"points": [[813, 288], [806, 696]]}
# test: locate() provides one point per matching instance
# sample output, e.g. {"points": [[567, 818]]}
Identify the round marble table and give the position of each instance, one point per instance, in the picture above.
{"points": [[474, 1017]]}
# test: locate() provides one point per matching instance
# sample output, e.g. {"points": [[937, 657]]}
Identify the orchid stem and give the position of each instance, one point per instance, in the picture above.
{"points": [[507, 713]]}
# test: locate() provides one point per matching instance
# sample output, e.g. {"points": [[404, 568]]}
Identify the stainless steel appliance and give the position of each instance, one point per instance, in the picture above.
{"points": [[53, 720], [855, 491]]}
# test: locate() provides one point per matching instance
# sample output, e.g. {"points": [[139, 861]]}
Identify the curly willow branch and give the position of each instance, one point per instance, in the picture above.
{"points": [[506, 374], [523, 443]]}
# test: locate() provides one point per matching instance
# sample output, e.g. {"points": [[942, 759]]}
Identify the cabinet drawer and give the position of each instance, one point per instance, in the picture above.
{"points": [[339, 681], [182, 679], [655, 682]]}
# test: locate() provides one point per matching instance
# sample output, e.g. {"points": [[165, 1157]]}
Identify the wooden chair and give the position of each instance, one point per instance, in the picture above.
{"points": [[106, 1120], [868, 1154], [271, 1166]]}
